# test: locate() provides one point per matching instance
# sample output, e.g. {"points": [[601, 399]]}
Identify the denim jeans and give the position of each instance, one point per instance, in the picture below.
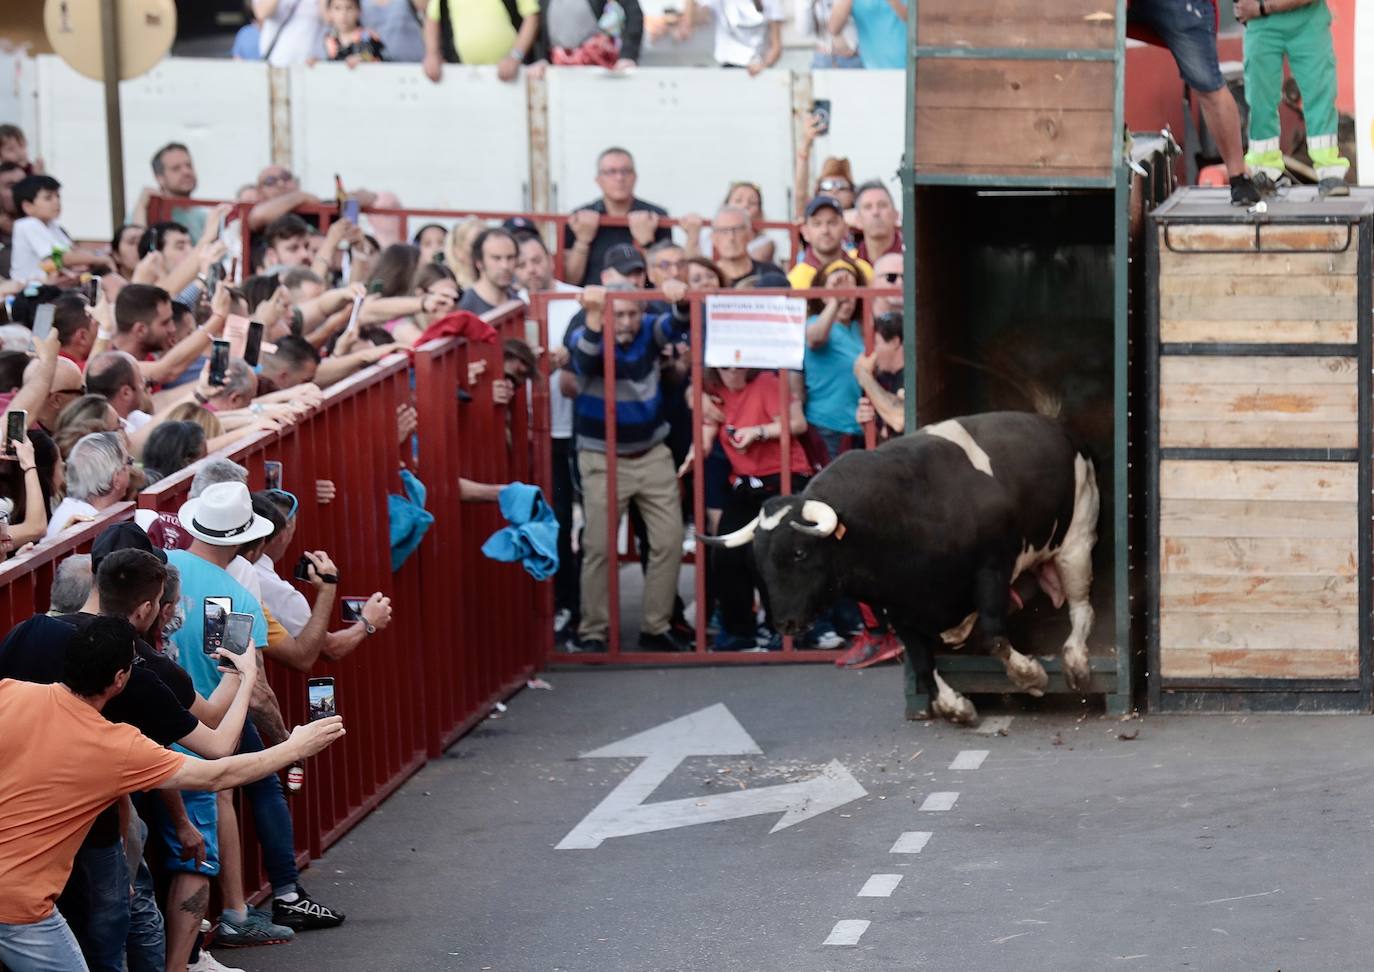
{"points": [[44, 946], [147, 942], [271, 819], [1189, 30], [96, 903]]}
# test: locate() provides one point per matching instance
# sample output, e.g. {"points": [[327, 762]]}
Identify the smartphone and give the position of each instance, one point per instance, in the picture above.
{"points": [[271, 469], [321, 698], [216, 617], [91, 288], [303, 568], [253, 345], [350, 211], [42, 321], [820, 110], [16, 429], [219, 362], [352, 608], [353, 317], [238, 631]]}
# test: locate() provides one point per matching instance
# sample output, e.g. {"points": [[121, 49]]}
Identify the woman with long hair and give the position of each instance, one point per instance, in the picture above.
{"points": [[834, 339]]}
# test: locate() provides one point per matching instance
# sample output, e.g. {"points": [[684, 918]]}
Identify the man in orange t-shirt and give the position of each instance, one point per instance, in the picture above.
{"points": [[64, 763]]}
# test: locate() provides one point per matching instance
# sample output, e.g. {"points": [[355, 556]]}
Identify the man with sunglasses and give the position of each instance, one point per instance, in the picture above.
{"points": [[66, 388], [888, 271]]}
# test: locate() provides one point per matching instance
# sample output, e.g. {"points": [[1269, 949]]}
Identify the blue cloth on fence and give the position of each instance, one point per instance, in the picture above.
{"points": [[532, 537], [409, 519]]}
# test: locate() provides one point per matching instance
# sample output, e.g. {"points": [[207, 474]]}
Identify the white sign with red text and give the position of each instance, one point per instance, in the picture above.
{"points": [[755, 332]]}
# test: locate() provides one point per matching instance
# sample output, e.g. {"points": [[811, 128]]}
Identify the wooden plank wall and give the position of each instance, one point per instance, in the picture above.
{"points": [[1009, 117], [1259, 558]]}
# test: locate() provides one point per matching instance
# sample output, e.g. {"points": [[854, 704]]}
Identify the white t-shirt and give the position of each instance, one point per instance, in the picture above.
{"points": [[742, 29], [135, 421], [560, 313], [301, 29], [62, 516], [287, 604], [34, 241]]}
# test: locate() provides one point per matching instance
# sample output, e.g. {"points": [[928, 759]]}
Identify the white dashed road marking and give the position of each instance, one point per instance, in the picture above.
{"points": [[939, 802], [847, 932], [911, 842], [969, 759], [880, 886], [991, 727]]}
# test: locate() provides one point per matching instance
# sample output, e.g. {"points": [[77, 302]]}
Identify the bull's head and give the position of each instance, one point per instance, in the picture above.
{"points": [[793, 538]]}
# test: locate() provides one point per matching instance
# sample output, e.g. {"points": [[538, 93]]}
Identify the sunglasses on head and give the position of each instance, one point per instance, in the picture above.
{"points": [[830, 185], [287, 497]]}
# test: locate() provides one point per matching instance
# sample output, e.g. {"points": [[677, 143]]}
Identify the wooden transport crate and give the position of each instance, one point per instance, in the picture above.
{"points": [[1014, 93], [1259, 453]]}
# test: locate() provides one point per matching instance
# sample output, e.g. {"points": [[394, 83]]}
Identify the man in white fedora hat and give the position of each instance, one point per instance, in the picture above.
{"points": [[219, 522]]}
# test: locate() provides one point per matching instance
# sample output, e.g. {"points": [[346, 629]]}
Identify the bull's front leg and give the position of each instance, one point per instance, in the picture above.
{"points": [[1025, 672], [927, 694]]}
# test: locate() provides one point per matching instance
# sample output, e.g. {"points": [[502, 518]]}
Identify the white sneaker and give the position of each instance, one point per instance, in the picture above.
{"points": [[830, 641], [207, 963]]}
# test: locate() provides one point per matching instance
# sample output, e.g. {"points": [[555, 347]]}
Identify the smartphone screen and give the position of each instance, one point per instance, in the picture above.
{"points": [[271, 469], [252, 347], [219, 362], [353, 318], [820, 110], [16, 429], [322, 698], [238, 631], [42, 321], [352, 608], [350, 211], [216, 617]]}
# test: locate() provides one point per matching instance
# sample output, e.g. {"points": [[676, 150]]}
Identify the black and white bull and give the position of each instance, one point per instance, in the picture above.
{"points": [[934, 528]]}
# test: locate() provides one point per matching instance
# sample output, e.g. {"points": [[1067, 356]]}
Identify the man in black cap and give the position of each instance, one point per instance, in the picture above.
{"points": [[130, 574], [494, 254], [623, 264], [824, 229], [586, 241]]}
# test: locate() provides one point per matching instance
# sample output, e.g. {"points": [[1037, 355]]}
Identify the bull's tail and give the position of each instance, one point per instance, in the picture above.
{"points": [[1042, 400]]}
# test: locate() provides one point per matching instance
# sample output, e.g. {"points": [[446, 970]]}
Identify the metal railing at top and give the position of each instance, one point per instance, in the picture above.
{"points": [[160, 209], [701, 653]]}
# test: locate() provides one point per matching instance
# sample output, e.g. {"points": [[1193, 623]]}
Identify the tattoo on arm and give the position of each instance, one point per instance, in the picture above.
{"points": [[196, 903]]}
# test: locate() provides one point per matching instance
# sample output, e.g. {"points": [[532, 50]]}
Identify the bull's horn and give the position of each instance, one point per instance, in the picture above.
{"points": [[821, 519], [736, 539]]}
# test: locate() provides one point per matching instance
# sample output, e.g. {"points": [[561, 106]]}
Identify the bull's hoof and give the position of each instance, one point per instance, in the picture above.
{"points": [[1028, 675], [960, 711], [1077, 672]]}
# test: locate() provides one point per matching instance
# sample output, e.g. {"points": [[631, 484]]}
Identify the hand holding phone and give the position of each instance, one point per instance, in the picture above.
{"points": [[322, 702], [351, 608], [820, 111], [42, 319], [271, 470], [16, 429], [219, 363], [238, 632]]}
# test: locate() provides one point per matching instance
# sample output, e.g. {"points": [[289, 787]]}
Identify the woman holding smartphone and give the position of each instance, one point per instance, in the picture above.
{"points": [[26, 514]]}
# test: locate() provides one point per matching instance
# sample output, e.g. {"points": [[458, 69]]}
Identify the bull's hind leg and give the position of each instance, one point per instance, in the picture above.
{"points": [[1074, 564], [1027, 674]]}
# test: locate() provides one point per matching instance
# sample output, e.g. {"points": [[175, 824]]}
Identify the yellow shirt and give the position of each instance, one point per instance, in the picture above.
{"points": [[482, 31], [801, 276]]}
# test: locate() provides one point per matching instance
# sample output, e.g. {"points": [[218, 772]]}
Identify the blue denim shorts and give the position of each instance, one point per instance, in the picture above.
{"points": [[203, 812], [1189, 29]]}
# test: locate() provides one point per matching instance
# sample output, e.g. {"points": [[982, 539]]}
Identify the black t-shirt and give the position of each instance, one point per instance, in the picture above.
{"points": [[758, 267], [35, 652], [473, 301], [891, 382], [608, 236]]}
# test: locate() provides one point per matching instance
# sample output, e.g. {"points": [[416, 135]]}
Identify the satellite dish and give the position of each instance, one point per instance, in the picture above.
{"points": [[145, 28]]}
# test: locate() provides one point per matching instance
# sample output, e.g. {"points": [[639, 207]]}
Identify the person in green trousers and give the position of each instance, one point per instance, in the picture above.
{"points": [[1301, 29]]}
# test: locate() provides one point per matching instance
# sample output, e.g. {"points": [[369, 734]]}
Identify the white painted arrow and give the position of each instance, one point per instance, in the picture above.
{"points": [[713, 731]]}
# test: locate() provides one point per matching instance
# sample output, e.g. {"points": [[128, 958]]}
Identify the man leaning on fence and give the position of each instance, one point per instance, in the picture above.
{"points": [[644, 465]]}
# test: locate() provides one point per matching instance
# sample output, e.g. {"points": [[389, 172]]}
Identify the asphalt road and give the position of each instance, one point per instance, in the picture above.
{"points": [[1207, 843]]}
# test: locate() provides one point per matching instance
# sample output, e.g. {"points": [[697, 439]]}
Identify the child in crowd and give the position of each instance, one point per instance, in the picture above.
{"points": [[347, 39], [42, 249], [14, 147]]}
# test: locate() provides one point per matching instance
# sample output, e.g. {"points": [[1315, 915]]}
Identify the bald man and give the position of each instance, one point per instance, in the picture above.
{"points": [[117, 376], [66, 388]]}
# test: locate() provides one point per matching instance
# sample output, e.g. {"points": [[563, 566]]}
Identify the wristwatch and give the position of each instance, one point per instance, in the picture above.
{"points": [[368, 626]]}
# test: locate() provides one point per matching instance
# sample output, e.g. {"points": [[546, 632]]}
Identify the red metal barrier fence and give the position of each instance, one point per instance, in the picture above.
{"points": [[160, 209], [466, 632], [702, 652]]}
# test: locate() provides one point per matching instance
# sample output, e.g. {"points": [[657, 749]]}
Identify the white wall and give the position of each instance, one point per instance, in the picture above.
{"points": [[220, 109], [466, 142]]}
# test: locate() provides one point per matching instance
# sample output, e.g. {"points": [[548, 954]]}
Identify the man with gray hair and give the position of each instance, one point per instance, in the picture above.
{"points": [[731, 232], [97, 478], [71, 585]]}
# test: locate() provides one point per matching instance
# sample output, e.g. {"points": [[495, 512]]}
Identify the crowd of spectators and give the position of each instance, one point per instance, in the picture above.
{"points": [[110, 368], [532, 34]]}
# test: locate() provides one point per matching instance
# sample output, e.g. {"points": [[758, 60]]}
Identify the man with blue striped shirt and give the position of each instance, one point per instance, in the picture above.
{"points": [[644, 465]]}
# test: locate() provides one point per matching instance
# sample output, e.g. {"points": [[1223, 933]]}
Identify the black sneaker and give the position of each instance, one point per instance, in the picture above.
{"points": [[588, 646], [664, 641], [1332, 186], [1269, 188], [304, 914], [1243, 191]]}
